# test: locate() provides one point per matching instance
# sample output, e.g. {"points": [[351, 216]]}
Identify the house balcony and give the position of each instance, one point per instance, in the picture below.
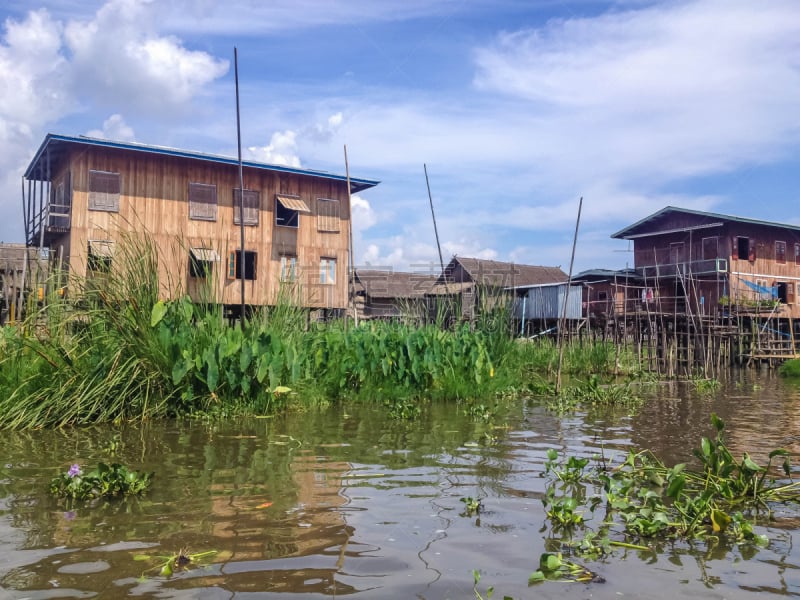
{"points": [[695, 268], [56, 220]]}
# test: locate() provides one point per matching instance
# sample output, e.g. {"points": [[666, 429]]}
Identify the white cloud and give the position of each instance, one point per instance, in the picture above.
{"points": [[675, 90], [281, 150], [114, 128], [363, 215], [121, 58], [50, 71]]}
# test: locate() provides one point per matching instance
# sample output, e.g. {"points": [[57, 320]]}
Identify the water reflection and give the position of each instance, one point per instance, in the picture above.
{"points": [[347, 502]]}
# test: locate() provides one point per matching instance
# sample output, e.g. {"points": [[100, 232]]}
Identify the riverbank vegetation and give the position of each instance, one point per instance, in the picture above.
{"points": [[116, 351]]}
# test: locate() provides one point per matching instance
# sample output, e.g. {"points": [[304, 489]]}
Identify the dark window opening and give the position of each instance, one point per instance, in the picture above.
{"points": [[201, 262], [286, 216], [235, 267], [783, 295], [99, 257], [743, 248]]}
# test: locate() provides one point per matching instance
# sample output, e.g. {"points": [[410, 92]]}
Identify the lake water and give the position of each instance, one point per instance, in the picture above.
{"points": [[345, 501]]}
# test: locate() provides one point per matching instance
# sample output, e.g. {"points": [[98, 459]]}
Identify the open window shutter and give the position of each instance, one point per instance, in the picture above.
{"points": [[232, 259], [751, 250]]}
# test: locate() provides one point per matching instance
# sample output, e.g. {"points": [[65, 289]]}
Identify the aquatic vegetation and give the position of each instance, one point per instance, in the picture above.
{"points": [[704, 385], [106, 481], [476, 579], [180, 561], [593, 392], [472, 506], [645, 500], [554, 567], [790, 368]]}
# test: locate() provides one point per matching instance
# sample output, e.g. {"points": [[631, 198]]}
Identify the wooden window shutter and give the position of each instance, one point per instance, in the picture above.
{"points": [[233, 257], [104, 191], [252, 207], [328, 215], [751, 256], [202, 201]]}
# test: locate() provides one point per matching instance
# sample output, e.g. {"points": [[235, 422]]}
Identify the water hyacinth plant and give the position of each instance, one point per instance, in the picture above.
{"points": [[644, 500], [106, 481]]}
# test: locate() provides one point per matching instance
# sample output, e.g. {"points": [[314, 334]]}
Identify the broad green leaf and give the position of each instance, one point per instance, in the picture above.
{"points": [[719, 520], [158, 312]]}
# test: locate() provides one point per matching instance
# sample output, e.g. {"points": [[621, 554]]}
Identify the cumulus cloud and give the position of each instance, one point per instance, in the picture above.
{"points": [[363, 215], [121, 57], [50, 70], [114, 128], [281, 150]]}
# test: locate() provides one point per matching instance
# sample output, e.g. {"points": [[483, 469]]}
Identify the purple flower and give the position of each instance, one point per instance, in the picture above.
{"points": [[74, 470]]}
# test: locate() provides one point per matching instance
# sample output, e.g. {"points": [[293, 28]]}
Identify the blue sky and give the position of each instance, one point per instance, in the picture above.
{"points": [[518, 108]]}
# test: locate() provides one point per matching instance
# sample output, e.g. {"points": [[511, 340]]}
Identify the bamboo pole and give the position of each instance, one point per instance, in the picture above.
{"points": [[351, 286], [241, 188], [566, 300]]}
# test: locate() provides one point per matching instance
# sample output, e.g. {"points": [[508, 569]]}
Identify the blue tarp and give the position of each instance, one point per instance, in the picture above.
{"points": [[772, 291]]}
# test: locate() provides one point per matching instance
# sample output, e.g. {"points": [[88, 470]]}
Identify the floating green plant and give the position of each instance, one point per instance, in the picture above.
{"points": [[106, 481], [472, 506], [169, 565], [646, 500], [553, 566]]}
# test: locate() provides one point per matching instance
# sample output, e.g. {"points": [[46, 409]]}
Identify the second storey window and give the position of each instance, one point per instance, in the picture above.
{"points": [[288, 209], [327, 271], [797, 254], [710, 248], [104, 189], [252, 207], [202, 201], [58, 216], [780, 252], [327, 215]]}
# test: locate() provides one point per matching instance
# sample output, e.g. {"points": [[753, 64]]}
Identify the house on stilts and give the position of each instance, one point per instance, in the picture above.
{"points": [[82, 195], [727, 285]]}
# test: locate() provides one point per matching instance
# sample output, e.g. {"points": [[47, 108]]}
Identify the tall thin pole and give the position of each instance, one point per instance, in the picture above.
{"points": [[435, 229], [241, 181], [566, 299], [351, 286]]}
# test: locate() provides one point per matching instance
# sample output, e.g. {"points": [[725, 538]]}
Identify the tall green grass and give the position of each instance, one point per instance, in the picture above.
{"points": [[117, 351]]}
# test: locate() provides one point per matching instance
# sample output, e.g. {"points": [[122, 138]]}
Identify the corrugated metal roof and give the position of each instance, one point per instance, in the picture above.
{"points": [[294, 203], [57, 144], [633, 230]]}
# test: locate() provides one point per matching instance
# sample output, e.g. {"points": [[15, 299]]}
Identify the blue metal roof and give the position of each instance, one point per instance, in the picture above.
{"points": [[56, 144]]}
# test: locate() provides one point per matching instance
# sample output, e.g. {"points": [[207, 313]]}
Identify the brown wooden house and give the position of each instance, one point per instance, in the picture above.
{"points": [[83, 194], [478, 283], [609, 294], [706, 263], [388, 294]]}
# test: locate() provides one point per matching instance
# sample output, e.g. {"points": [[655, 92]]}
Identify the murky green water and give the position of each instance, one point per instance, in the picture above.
{"points": [[348, 502]]}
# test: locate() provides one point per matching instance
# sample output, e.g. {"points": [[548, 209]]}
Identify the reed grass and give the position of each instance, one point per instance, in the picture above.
{"points": [[117, 350]]}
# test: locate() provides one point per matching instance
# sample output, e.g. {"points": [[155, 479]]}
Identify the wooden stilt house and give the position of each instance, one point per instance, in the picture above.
{"points": [[702, 263], [80, 195]]}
